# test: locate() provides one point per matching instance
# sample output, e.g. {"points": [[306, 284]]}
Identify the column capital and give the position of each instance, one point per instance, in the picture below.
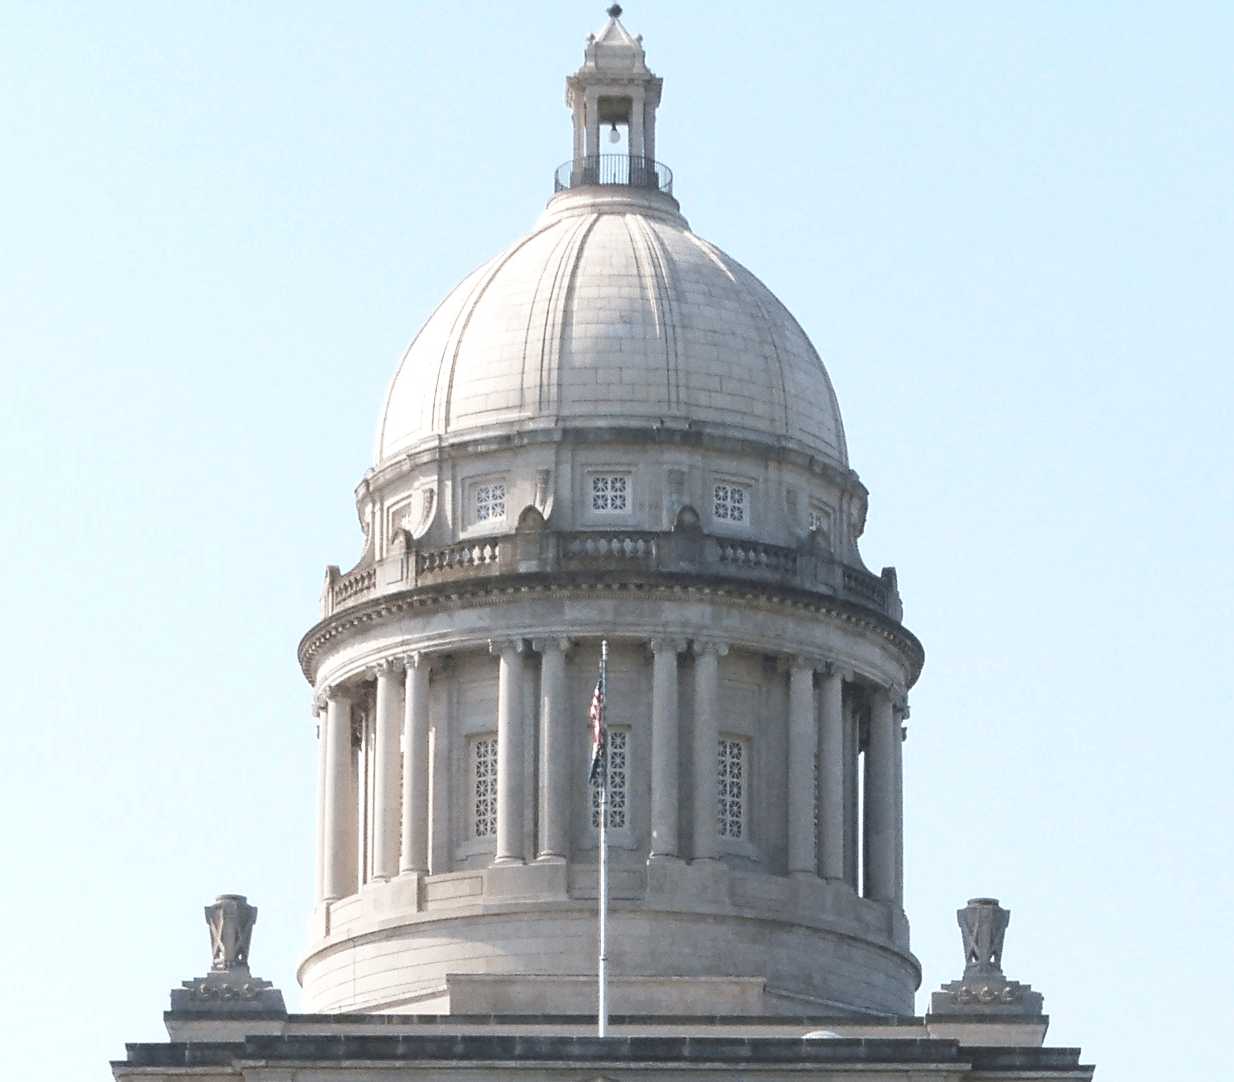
{"points": [[337, 693], [502, 647], [319, 705], [561, 643], [672, 646], [389, 667], [417, 659], [836, 668], [709, 646]]}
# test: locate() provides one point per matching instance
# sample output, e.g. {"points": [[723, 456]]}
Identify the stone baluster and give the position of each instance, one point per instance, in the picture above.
{"points": [[880, 800], [386, 768], [555, 749], [413, 856], [664, 747], [831, 751], [706, 748], [802, 755], [339, 837], [510, 751]]}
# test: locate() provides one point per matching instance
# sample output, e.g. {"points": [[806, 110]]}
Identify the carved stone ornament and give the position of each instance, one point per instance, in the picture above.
{"points": [[983, 926], [229, 986], [231, 921], [984, 990]]}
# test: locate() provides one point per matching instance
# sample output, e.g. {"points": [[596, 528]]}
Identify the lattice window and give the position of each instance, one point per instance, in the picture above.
{"points": [[730, 503], [816, 521], [732, 788], [618, 782], [490, 501], [610, 493], [484, 786]]}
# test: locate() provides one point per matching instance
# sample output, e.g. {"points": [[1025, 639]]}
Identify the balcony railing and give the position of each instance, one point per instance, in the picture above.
{"points": [[614, 169]]}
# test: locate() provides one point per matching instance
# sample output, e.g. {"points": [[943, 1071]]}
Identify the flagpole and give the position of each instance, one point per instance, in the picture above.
{"points": [[602, 1013]]}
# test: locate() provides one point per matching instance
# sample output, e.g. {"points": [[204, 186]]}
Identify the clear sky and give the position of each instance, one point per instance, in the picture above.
{"points": [[1008, 230]]}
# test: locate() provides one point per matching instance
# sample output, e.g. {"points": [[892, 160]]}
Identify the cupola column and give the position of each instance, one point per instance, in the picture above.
{"points": [[555, 757], [339, 799], [831, 816], [413, 855], [707, 748], [881, 803], [511, 752], [802, 757], [593, 122], [386, 769], [664, 747]]}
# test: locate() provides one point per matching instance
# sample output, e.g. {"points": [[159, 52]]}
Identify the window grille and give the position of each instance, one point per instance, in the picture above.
{"points": [[610, 493], [816, 520], [490, 501], [730, 503], [618, 779], [484, 786], [732, 788]]}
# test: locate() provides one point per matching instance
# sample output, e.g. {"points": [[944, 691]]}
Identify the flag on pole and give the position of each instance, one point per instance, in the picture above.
{"points": [[596, 716]]}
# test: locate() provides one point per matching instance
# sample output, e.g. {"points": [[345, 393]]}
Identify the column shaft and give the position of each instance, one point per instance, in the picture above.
{"points": [[706, 749], [322, 743], [664, 749], [339, 846], [387, 772], [880, 802], [831, 751], [413, 855], [897, 822], [802, 751], [510, 753], [555, 757]]}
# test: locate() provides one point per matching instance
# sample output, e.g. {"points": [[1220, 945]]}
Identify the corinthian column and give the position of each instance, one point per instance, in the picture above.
{"points": [[831, 776], [339, 838], [706, 748], [555, 757], [802, 753], [386, 769], [880, 803], [664, 754], [510, 751], [413, 856]]}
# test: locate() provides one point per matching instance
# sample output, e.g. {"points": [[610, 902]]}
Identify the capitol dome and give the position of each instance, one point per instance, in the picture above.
{"points": [[611, 440], [684, 333]]}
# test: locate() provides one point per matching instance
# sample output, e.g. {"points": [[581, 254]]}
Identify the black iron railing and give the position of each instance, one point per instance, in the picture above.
{"points": [[614, 169]]}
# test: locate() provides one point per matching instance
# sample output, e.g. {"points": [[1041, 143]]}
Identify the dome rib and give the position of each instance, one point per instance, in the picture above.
{"points": [[660, 298]]}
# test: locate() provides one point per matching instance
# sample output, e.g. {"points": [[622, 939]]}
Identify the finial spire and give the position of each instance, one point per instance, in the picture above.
{"points": [[614, 12]]}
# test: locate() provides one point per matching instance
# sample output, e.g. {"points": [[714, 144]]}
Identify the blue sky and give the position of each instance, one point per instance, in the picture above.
{"points": [[1008, 229]]}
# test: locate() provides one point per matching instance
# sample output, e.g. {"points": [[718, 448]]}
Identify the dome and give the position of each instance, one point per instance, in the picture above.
{"points": [[611, 308]]}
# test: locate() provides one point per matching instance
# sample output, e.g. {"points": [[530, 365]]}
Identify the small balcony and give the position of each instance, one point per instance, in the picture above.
{"points": [[620, 169]]}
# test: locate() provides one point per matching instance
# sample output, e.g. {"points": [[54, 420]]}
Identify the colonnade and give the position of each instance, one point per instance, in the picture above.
{"points": [[822, 763]]}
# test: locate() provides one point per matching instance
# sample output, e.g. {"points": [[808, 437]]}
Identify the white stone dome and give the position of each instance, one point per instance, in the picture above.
{"points": [[612, 310]]}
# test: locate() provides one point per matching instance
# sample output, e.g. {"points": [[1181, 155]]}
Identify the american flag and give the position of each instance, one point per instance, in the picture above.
{"points": [[596, 717]]}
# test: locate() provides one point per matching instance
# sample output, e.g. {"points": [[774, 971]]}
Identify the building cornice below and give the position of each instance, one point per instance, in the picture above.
{"points": [[460, 1054], [521, 588]]}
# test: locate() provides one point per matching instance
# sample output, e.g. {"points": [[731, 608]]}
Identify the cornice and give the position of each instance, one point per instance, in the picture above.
{"points": [[516, 589], [699, 435]]}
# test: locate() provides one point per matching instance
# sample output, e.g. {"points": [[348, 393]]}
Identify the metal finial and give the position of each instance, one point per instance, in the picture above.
{"points": [[615, 11]]}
